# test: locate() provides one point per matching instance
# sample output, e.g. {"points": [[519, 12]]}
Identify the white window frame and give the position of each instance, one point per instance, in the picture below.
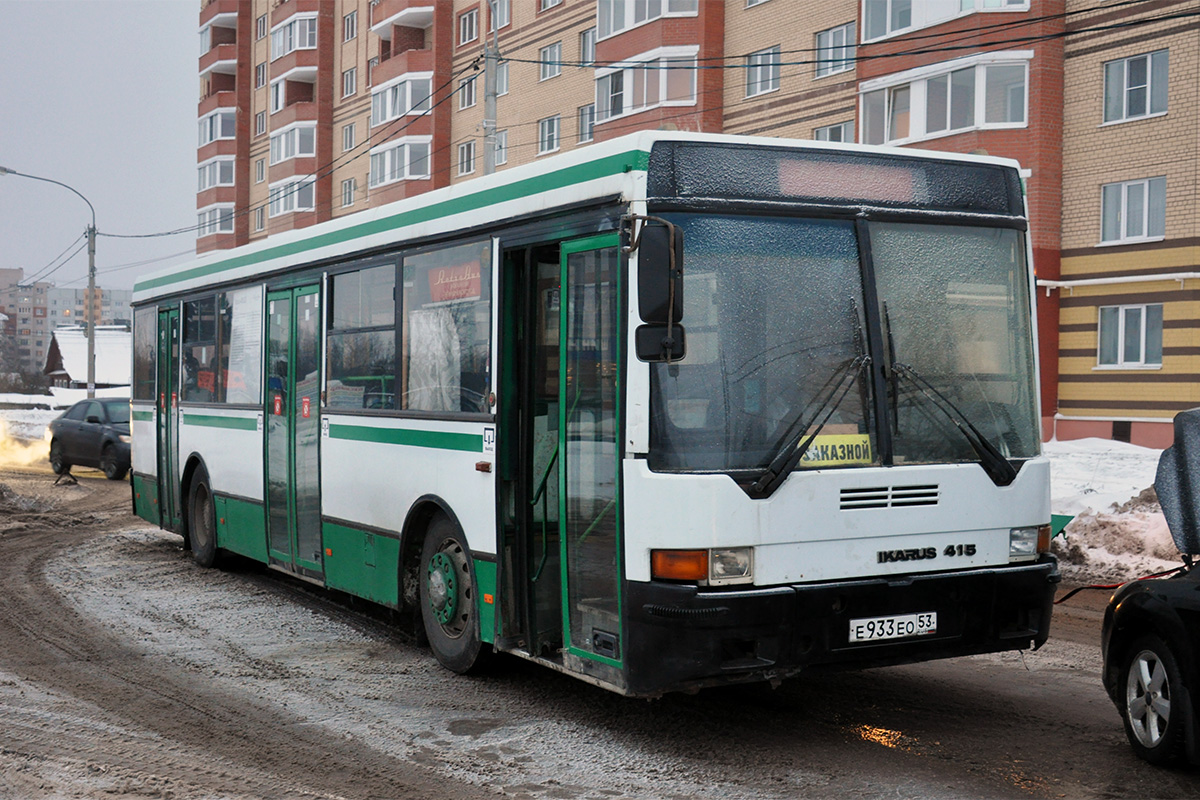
{"points": [[468, 26], [386, 155], [762, 72], [627, 69], [753, 3], [635, 13], [503, 15], [348, 132], [585, 119], [1121, 192], [501, 78], [260, 123], [825, 132], [286, 142], [549, 135], [297, 32], [466, 93], [350, 82], [214, 219], [289, 195], [501, 148], [1149, 87], [349, 188], [350, 26], [260, 75], [278, 96], [260, 170], [1123, 331], [926, 13], [466, 158], [387, 105], [260, 218], [218, 125], [836, 53], [917, 81], [260, 27], [546, 5], [209, 173], [550, 61], [587, 48]]}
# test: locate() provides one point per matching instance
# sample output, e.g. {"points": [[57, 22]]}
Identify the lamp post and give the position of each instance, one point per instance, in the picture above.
{"points": [[91, 314]]}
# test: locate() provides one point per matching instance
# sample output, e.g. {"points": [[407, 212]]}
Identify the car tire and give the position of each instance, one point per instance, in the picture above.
{"points": [[58, 460], [202, 520], [449, 611], [111, 465], [1150, 681]]}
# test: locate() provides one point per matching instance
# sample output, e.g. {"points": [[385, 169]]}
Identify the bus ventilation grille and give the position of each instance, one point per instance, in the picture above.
{"points": [[890, 497]]}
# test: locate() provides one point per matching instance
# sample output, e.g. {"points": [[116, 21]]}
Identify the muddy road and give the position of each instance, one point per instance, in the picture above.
{"points": [[127, 672]]}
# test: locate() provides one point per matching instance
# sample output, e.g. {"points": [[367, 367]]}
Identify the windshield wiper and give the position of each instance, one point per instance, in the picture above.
{"points": [[795, 444], [993, 462]]}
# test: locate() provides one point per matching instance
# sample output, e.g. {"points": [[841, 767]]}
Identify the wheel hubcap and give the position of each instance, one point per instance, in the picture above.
{"points": [[443, 588], [1148, 698]]}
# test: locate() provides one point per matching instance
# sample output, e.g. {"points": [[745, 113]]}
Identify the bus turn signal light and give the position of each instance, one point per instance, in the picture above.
{"points": [[679, 565]]}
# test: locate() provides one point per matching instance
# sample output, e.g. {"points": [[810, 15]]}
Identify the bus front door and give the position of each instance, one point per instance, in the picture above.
{"points": [[293, 430], [167, 427]]}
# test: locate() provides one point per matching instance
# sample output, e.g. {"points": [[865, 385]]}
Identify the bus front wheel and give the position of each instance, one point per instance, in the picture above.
{"points": [[202, 527], [447, 597]]}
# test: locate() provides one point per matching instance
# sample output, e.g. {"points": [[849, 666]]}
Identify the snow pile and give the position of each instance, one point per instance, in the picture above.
{"points": [[1119, 532]]}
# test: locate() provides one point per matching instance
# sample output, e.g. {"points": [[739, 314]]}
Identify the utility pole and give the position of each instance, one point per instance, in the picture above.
{"points": [[91, 312], [491, 64]]}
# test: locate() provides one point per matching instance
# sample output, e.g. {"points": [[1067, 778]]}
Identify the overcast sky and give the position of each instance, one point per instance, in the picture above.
{"points": [[100, 95]]}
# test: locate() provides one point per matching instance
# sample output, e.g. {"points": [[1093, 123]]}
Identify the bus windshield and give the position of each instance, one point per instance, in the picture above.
{"points": [[776, 343]]}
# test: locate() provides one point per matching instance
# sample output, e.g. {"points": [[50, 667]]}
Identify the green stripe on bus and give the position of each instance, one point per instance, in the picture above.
{"points": [[211, 421], [440, 440], [620, 162], [143, 416]]}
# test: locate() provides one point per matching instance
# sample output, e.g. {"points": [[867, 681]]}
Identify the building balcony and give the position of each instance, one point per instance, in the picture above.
{"points": [[216, 241], [303, 111], [408, 61], [222, 13], [297, 61], [216, 100], [215, 195], [287, 8], [221, 59], [293, 168], [221, 147], [405, 13]]}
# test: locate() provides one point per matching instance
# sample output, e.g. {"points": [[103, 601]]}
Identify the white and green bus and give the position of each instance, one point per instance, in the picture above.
{"points": [[672, 411]]}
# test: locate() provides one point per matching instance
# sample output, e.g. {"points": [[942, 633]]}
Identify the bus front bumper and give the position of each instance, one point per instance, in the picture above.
{"points": [[683, 637]]}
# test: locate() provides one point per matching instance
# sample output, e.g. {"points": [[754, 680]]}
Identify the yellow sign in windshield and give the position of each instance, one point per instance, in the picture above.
{"points": [[838, 449]]}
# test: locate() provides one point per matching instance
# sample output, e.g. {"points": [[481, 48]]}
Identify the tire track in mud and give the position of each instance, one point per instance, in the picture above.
{"points": [[147, 728]]}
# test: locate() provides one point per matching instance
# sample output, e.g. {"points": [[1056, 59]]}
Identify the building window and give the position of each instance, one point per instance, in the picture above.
{"points": [[543, 5], [501, 78], [298, 33], [1133, 210], [888, 17], [260, 27], [218, 172], [295, 194], [406, 159], [835, 50], [1131, 336], [348, 137], [550, 61], [548, 135], [762, 71], [260, 75], [278, 95], [466, 158], [1135, 87], [587, 122], [615, 16], [260, 170], [349, 81], [501, 10], [410, 94], [501, 147], [668, 78], [350, 26], [260, 123], [842, 132], [217, 219], [752, 3], [980, 94], [219, 124], [466, 93], [260, 218], [468, 26], [349, 186], [294, 141], [587, 48]]}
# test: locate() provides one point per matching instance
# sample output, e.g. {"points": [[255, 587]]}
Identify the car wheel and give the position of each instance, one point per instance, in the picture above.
{"points": [[1154, 722], [58, 461], [448, 598], [202, 521], [113, 469]]}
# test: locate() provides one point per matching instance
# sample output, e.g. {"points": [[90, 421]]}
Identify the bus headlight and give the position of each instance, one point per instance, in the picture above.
{"points": [[716, 567], [730, 565], [1024, 544]]}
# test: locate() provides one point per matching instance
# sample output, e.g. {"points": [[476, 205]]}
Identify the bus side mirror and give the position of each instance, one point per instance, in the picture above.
{"points": [[653, 344], [660, 283]]}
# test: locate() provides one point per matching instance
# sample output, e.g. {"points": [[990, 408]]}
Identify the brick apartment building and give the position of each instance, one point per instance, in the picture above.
{"points": [[312, 109]]}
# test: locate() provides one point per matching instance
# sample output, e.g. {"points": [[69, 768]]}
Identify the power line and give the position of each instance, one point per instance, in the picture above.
{"points": [[37, 274]]}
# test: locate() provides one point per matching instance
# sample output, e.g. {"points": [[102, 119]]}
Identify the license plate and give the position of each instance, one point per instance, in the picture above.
{"points": [[901, 626]]}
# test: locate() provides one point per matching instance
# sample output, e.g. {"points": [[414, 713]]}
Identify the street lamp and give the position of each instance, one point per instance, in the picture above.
{"points": [[91, 314]]}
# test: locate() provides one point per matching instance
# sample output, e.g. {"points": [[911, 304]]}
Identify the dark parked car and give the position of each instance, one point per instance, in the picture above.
{"points": [[1151, 632], [92, 433]]}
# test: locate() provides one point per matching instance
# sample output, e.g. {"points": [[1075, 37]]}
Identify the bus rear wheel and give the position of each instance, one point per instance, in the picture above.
{"points": [[448, 598], [202, 521]]}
